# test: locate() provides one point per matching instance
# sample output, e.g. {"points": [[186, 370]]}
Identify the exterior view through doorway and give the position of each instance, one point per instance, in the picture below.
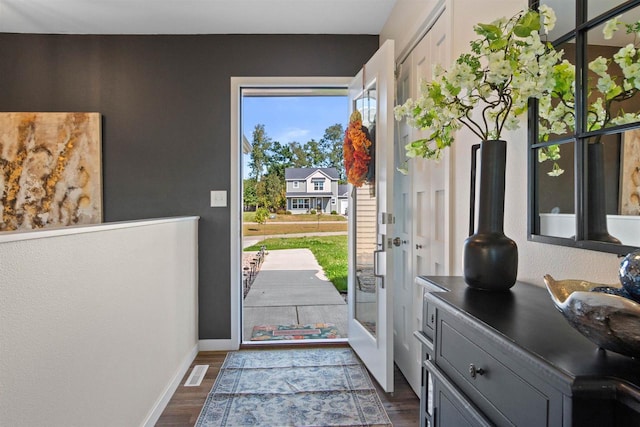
{"points": [[293, 213], [367, 92]]}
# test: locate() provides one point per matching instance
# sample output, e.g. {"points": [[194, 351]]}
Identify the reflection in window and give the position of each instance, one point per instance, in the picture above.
{"points": [[598, 7], [614, 73], [566, 17], [583, 151], [557, 111], [630, 173], [366, 225]]}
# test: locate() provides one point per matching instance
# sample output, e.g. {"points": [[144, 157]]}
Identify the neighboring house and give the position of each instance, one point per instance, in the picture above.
{"points": [[343, 198], [314, 188]]}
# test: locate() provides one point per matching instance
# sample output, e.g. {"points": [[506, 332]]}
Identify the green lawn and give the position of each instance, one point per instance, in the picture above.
{"points": [[330, 252]]}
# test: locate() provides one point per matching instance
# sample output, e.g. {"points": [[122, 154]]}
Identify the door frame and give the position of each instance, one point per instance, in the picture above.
{"points": [[235, 196]]}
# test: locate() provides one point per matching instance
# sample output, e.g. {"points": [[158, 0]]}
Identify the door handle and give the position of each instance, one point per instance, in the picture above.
{"points": [[376, 273], [397, 242]]}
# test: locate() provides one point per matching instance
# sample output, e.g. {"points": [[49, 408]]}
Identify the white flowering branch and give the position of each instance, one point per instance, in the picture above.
{"points": [[507, 65]]}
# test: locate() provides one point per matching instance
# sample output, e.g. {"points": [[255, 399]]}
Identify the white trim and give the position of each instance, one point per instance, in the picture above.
{"points": [[237, 83], [218, 345], [13, 236], [164, 399], [235, 211], [317, 171]]}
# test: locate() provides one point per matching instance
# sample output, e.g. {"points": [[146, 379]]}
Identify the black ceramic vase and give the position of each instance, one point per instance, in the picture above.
{"points": [[490, 259]]}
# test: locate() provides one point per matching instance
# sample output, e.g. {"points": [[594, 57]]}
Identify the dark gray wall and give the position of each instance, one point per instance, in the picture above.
{"points": [[166, 112]]}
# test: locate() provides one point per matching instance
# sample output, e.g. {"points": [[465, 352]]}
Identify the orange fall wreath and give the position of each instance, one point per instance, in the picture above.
{"points": [[356, 150]]}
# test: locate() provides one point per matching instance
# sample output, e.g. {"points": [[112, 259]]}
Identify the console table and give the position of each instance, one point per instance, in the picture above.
{"points": [[510, 358]]}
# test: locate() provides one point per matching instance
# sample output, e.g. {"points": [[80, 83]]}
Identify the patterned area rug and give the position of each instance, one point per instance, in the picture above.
{"points": [[307, 387], [316, 331]]}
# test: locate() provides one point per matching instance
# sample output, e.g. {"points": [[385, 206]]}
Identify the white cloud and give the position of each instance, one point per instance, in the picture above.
{"points": [[293, 134]]}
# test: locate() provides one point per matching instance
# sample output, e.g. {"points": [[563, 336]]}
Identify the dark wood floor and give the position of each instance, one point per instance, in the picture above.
{"points": [[186, 403]]}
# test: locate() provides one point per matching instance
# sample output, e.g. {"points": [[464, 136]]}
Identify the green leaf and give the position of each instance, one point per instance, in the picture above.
{"points": [[475, 46], [454, 90], [615, 91], [489, 31], [529, 22], [497, 44]]}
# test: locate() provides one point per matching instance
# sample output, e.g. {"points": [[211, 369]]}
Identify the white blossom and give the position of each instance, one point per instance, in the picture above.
{"points": [[599, 66], [556, 171], [625, 118], [606, 85], [548, 18], [610, 27]]}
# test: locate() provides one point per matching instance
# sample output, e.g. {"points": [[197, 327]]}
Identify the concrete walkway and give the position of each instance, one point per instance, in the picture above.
{"points": [[291, 288]]}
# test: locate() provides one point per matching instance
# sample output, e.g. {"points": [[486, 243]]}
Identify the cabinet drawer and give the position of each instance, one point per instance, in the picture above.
{"points": [[451, 407], [479, 373], [428, 318]]}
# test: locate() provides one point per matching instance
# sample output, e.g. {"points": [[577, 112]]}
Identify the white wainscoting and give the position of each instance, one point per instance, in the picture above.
{"points": [[98, 324]]}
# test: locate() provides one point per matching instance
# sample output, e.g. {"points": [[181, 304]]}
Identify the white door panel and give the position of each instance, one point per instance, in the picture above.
{"points": [[425, 196]]}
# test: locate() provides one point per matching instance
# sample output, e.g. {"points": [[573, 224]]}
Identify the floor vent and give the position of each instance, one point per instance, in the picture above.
{"points": [[197, 375]]}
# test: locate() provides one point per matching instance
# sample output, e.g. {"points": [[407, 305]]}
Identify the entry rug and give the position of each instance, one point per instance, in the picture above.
{"points": [[316, 331], [306, 387]]}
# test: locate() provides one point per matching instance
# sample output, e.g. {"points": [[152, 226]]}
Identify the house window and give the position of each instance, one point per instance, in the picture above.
{"points": [[296, 184], [318, 184], [299, 203]]}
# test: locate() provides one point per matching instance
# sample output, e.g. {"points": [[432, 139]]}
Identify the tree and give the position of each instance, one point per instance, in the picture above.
{"points": [[259, 152], [299, 156], [281, 157], [315, 154], [249, 195], [271, 192], [261, 216], [331, 144]]}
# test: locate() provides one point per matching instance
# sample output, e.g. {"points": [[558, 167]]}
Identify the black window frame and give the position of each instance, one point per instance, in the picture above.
{"points": [[579, 137]]}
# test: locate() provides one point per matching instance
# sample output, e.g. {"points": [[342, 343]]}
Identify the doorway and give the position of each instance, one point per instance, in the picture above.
{"points": [[290, 180], [376, 351]]}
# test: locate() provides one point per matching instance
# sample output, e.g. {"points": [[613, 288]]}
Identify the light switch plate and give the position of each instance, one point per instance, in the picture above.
{"points": [[219, 199]]}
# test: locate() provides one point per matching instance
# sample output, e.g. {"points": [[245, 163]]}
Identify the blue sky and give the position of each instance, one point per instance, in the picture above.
{"points": [[288, 119]]}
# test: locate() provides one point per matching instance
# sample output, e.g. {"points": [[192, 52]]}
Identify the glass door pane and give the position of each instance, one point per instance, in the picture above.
{"points": [[366, 235]]}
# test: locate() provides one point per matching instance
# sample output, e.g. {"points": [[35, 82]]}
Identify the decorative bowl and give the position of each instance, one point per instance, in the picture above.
{"points": [[610, 321]]}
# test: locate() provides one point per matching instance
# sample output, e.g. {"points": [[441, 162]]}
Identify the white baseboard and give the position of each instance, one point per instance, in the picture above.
{"points": [[163, 401], [218, 345]]}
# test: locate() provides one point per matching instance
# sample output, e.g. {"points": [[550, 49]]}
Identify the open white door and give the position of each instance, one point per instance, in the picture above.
{"points": [[371, 223]]}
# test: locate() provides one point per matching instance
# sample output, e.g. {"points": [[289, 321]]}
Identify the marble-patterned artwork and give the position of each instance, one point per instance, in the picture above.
{"points": [[50, 170], [630, 173]]}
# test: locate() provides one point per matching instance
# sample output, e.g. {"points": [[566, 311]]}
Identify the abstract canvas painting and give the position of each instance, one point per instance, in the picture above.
{"points": [[50, 170]]}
